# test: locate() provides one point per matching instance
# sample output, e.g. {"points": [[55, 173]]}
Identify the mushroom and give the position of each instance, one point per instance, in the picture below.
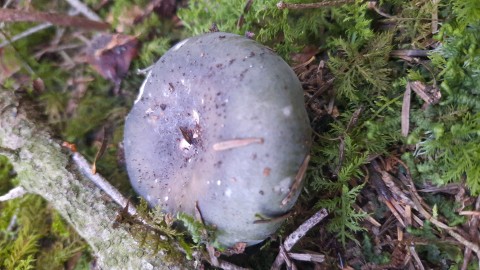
{"points": [[220, 127]]}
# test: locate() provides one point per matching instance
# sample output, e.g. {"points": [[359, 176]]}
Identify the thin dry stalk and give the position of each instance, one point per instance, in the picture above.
{"points": [[406, 110], [241, 20], [85, 168], [101, 150], [283, 5], [84, 9], [26, 33], [435, 16], [470, 213], [416, 257], [474, 234], [230, 144], [15, 15], [306, 257], [297, 181], [14, 193]]}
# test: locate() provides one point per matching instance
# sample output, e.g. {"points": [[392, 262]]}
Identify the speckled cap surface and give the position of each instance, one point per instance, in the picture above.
{"points": [[220, 120]]}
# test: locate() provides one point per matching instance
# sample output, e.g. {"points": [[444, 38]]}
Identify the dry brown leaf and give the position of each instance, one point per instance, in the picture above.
{"points": [[430, 94], [111, 55], [307, 53]]}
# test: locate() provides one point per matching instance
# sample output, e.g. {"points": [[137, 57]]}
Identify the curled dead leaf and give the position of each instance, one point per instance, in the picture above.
{"points": [[111, 55]]}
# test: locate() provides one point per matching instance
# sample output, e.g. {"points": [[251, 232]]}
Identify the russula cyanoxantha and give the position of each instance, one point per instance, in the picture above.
{"points": [[220, 123]]}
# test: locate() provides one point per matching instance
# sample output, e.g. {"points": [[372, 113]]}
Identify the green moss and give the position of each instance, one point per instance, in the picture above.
{"points": [[448, 148], [284, 30], [34, 236], [6, 175]]}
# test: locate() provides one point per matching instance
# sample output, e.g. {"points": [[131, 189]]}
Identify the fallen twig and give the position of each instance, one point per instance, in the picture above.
{"points": [[415, 256], [102, 148], [247, 7], [26, 33], [406, 110], [307, 257], [14, 193], [297, 181], [283, 5], [294, 237], [230, 266], [84, 9], [469, 213], [435, 16], [474, 234], [286, 258], [429, 93], [15, 15], [85, 168]]}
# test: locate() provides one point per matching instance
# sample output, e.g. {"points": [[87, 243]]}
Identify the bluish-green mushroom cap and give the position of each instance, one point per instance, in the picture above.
{"points": [[220, 122]]}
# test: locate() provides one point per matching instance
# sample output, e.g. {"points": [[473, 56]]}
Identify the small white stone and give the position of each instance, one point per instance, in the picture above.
{"points": [[166, 198], [219, 182], [228, 192]]}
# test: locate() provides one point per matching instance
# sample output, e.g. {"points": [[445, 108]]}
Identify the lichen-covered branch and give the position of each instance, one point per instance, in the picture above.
{"points": [[44, 168]]}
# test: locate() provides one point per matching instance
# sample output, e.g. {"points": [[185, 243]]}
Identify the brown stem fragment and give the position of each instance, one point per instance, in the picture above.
{"points": [[297, 181], [473, 233], [15, 15], [283, 5], [241, 20], [406, 110]]}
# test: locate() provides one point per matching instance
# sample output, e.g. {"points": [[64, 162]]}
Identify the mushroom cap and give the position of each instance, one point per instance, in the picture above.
{"points": [[220, 124]]}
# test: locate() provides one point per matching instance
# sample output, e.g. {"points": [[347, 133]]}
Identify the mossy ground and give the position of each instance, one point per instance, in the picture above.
{"points": [[356, 62]]}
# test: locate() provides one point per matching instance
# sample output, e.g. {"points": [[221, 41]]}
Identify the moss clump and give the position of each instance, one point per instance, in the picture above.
{"points": [[34, 236]]}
